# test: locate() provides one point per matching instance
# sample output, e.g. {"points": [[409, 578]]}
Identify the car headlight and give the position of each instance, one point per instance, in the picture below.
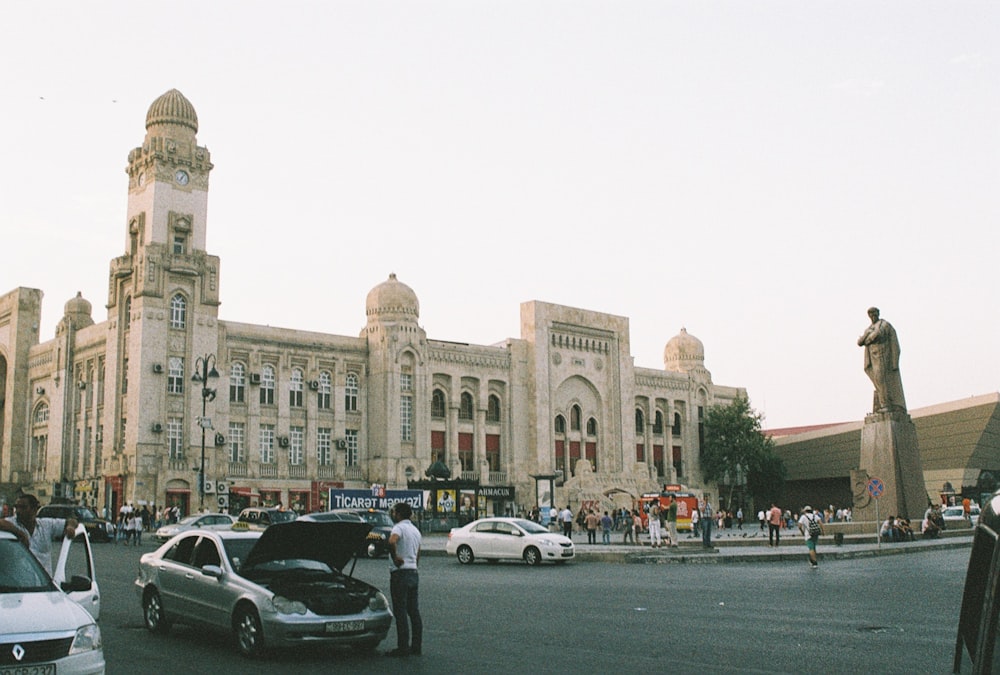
{"points": [[546, 542], [87, 639], [378, 602], [286, 606]]}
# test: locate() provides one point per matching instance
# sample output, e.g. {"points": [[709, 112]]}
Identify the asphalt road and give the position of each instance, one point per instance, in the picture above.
{"points": [[892, 614]]}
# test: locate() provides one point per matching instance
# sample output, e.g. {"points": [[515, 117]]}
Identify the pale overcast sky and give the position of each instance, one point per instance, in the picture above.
{"points": [[757, 172]]}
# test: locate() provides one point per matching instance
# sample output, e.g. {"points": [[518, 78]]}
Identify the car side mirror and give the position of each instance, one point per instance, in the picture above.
{"points": [[76, 584], [213, 571]]}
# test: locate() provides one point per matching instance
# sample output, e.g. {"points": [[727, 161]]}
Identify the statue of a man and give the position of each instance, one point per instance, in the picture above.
{"points": [[882, 363]]}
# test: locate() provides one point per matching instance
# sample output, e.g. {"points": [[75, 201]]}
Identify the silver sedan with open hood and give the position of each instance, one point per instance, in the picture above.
{"points": [[285, 586]]}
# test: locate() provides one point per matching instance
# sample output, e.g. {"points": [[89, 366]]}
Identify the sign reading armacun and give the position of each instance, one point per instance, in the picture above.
{"points": [[372, 499]]}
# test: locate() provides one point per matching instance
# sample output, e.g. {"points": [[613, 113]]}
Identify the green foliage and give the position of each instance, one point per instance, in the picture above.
{"points": [[734, 446]]}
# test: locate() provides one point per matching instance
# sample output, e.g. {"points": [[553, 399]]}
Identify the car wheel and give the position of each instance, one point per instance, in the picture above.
{"points": [[465, 555], [532, 556], [152, 612], [247, 629]]}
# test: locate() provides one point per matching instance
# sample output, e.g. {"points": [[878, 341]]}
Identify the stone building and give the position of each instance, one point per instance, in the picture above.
{"points": [[134, 408]]}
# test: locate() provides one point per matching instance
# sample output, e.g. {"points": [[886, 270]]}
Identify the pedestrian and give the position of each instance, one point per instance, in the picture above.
{"points": [[655, 536], [811, 526], [404, 582], [706, 523], [136, 528], [672, 522], [554, 517], [37, 533], [762, 519], [606, 524], [566, 518], [591, 522], [628, 520], [695, 527], [739, 518], [774, 526]]}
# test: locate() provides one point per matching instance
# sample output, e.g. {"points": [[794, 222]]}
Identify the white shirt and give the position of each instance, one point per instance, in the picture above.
{"points": [[40, 541], [407, 546]]}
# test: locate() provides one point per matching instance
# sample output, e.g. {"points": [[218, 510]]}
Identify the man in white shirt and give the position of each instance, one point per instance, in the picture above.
{"points": [[404, 583], [37, 533]]}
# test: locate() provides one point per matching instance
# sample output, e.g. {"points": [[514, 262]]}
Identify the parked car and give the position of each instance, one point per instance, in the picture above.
{"points": [[281, 587], [204, 521], [376, 543], [262, 517], [955, 514], [508, 538], [98, 529], [49, 625]]}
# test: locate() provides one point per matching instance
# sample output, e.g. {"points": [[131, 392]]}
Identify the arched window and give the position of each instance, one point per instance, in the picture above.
{"points": [[465, 407], [237, 383], [591, 427], [351, 393], [658, 422], [574, 418], [267, 384], [493, 408], [560, 424], [438, 406], [324, 390], [178, 311], [296, 385], [677, 424], [640, 422]]}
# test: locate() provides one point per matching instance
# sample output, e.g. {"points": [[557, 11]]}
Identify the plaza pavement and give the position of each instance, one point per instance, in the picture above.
{"points": [[748, 545]]}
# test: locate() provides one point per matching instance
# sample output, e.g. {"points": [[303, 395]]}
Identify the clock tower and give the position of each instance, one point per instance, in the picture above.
{"points": [[163, 301]]}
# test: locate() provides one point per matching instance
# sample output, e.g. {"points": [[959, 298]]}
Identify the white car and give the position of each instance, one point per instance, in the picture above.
{"points": [[48, 624], [508, 538], [203, 521], [955, 514]]}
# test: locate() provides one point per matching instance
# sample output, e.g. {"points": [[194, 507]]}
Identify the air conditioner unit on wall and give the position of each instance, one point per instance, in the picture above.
{"points": [[314, 385], [254, 378], [157, 427], [210, 487], [223, 501], [220, 439], [222, 488], [342, 444], [283, 441], [157, 368]]}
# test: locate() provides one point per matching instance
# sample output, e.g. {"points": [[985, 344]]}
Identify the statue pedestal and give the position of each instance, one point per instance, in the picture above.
{"points": [[889, 452]]}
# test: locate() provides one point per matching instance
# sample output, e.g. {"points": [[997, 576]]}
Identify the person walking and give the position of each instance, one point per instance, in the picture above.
{"points": [[606, 524], [655, 536], [566, 519], [774, 526], [672, 522], [404, 582], [811, 526], [762, 519], [706, 523]]}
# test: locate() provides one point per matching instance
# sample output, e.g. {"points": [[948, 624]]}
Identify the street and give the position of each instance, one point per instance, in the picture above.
{"points": [[893, 614]]}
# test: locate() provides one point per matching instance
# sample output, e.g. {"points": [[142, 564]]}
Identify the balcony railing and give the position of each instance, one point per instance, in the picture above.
{"points": [[470, 475], [498, 477], [326, 471], [238, 470], [268, 470], [354, 473], [296, 470], [179, 465]]}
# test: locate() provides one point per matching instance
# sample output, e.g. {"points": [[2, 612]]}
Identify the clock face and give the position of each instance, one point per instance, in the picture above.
{"points": [[181, 177]]}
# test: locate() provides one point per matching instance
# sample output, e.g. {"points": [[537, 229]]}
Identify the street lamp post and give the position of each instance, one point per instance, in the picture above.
{"points": [[204, 368]]}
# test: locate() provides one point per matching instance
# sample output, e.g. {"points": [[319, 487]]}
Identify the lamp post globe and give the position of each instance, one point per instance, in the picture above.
{"points": [[204, 369]]}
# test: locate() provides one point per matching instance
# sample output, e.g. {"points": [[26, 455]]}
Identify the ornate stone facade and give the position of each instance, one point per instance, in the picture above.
{"points": [[108, 412]]}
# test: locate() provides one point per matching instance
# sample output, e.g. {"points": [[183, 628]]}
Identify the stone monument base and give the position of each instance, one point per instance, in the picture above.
{"points": [[890, 453]]}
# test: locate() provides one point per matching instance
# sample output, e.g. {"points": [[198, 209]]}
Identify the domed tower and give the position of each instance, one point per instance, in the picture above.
{"points": [[684, 353], [397, 380], [77, 314]]}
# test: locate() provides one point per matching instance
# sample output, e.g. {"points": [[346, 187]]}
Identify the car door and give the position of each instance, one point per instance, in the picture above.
{"points": [[174, 571], [508, 541], [75, 575], [210, 595], [482, 539]]}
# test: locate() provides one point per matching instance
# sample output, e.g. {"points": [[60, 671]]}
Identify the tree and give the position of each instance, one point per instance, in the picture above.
{"points": [[735, 447]]}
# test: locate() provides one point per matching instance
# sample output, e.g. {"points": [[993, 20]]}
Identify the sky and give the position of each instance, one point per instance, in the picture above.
{"points": [[757, 172]]}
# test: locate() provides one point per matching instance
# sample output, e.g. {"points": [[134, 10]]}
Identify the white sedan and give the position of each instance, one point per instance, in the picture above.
{"points": [[202, 521], [955, 514], [508, 538]]}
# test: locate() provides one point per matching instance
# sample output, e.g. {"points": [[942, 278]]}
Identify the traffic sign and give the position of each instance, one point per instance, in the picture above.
{"points": [[876, 487]]}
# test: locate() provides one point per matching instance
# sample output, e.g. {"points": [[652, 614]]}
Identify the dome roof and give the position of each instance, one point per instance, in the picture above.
{"points": [[172, 108], [392, 297], [683, 352], [78, 305]]}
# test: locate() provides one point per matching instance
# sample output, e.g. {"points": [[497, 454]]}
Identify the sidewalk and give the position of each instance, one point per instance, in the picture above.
{"points": [[731, 546]]}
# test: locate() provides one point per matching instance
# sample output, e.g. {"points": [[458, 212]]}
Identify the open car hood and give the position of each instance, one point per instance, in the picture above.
{"points": [[333, 543]]}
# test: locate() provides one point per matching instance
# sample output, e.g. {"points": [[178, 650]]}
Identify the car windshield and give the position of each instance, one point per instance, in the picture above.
{"points": [[19, 571], [189, 520], [530, 527], [237, 550], [282, 516]]}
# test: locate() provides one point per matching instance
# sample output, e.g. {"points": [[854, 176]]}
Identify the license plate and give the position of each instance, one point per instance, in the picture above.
{"points": [[343, 626], [33, 669]]}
